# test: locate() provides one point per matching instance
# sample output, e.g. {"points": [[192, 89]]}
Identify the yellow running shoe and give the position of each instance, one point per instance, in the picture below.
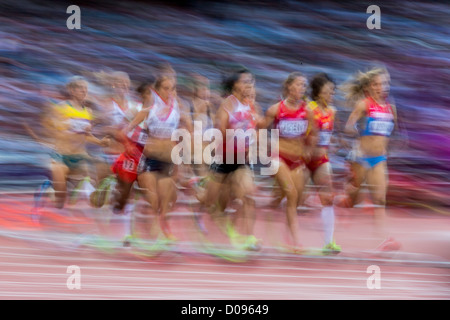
{"points": [[331, 248]]}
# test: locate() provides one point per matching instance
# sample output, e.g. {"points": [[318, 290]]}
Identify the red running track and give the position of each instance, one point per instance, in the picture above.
{"points": [[421, 270]]}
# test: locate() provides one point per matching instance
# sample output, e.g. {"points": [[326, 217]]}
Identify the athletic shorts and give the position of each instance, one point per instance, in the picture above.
{"points": [[153, 165], [292, 164], [72, 161], [370, 162], [315, 163], [125, 167], [225, 168]]}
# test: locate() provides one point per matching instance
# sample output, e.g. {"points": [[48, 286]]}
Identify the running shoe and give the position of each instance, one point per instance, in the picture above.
{"points": [[252, 243], [236, 239], [199, 222], [331, 248], [293, 249], [100, 243], [389, 244], [39, 199]]}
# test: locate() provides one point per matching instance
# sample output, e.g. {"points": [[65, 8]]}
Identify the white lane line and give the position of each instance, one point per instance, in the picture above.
{"points": [[204, 281], [363, 287], [264, 256], [172, 296], [182, 273], [84, 259]]}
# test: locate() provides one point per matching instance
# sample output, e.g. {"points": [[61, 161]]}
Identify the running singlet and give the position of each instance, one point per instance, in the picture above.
{"points": [[379, 119], [242, 117], [324, 122], [291, 123], [74, 120], [162, 126], [121, 117]]}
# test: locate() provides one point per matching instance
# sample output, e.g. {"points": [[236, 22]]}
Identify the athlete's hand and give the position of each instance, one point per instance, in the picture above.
{"points": [[351, 130], [105, 142], [307, 154]]}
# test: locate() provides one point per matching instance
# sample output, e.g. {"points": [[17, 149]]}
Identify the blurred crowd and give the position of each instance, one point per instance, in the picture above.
{"points": [[38, 54]]}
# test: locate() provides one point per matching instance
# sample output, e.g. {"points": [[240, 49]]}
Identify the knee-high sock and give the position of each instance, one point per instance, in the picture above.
{"points": [[327, 215]]}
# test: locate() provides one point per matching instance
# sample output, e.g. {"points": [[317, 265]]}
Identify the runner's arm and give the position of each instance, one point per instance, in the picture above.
{"points": [[357, 113], [270, 115]]}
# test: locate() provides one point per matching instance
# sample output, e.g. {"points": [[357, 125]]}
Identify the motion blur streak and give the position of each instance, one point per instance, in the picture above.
{"points": [[38, 53]]}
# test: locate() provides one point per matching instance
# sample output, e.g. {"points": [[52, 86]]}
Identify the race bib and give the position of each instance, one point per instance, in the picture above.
{"points": [[138, 136], [324, 138], [381, 127], [292, 128], [142, 139], [129, 165], [163, 132], [79, 125]]}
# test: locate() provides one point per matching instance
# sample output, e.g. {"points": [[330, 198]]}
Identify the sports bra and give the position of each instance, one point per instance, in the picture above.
{"points": [[324, 122], [379, 120], [291, 123], [75, 120]]}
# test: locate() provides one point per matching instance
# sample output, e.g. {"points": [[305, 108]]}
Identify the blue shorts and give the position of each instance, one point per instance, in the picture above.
{"points": [[370, 162]]}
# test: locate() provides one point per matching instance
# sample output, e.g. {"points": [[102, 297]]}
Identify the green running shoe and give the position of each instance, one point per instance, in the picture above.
{"points": [[331, 248], [252, 243]]}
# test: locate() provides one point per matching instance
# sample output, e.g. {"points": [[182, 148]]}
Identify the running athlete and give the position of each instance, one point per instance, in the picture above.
{"points": [[230, 180], [69, 125], [117, 110], [121, 108], [125, 167], [293, 120], [156, 167], [322, 91], [202, 111], [370, 90]]}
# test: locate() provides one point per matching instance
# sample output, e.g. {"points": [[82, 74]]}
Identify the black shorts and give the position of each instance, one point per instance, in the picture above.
{"points": [[152, 165], [225, 168]]}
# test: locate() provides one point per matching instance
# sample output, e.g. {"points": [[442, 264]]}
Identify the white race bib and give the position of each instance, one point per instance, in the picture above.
{"points": [[324, 138], [79, 125], [129, 165], [292, 128], [381, 127]]}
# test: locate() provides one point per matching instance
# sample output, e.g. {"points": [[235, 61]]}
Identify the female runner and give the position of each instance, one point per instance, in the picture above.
{"points": [[233, 180], [322, 91], [293, 119], [370, 90], [69, 124], [156, 167]]}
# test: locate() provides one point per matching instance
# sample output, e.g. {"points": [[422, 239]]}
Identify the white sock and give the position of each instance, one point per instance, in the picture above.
{"points": [[125, 227], [128, 209], [87, 189], [327, 215]]}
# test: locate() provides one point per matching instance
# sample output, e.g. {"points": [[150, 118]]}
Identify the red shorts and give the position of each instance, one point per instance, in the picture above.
{"points": [[315, 163], [125, 167], [292, 164]]}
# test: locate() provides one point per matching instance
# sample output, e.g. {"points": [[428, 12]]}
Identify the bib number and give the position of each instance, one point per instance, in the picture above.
{"points": [[128, 165], [292, 128], [381, 127], [324, 138]]}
